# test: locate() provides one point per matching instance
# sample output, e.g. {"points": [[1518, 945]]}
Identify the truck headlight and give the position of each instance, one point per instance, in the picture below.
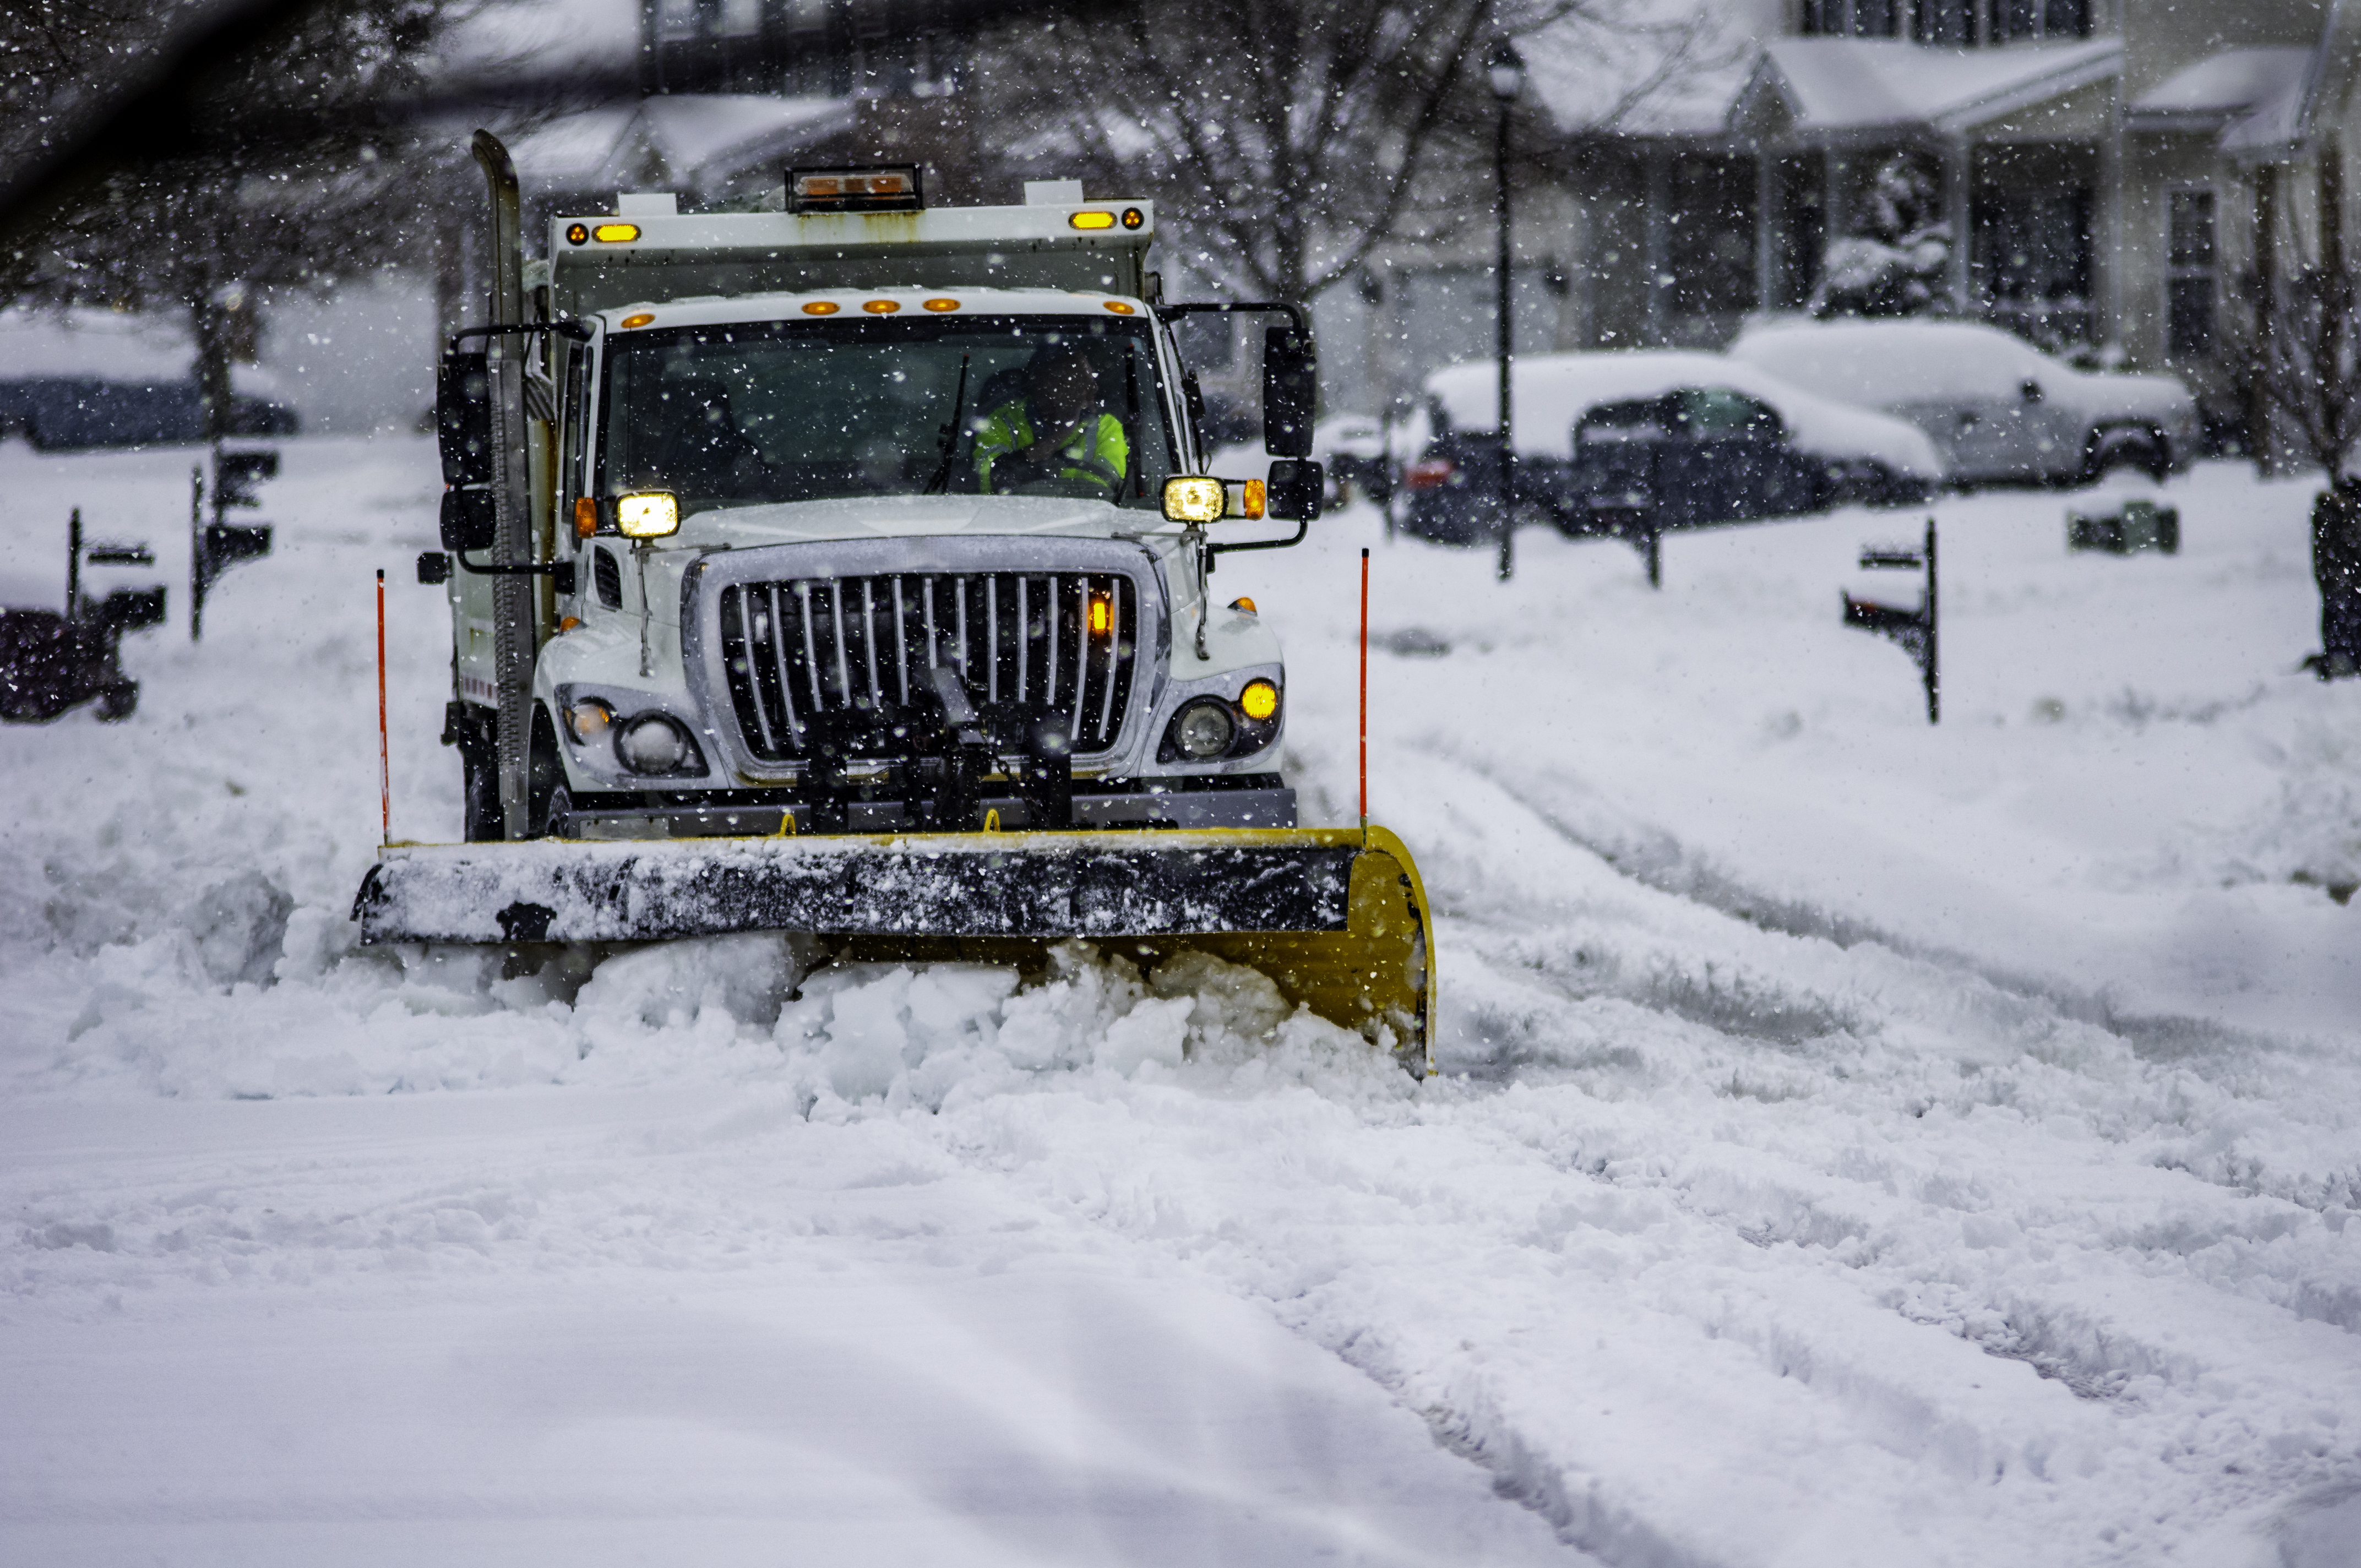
{"points": [[652, 514], [655, 743], [1204, 729], [589, 720]]}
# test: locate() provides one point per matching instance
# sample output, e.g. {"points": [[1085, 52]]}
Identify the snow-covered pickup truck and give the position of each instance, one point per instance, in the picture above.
{"points": [[1998, 408]]}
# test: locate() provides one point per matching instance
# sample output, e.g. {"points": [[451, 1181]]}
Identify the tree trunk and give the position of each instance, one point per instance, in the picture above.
{"points": [[215, 334]]}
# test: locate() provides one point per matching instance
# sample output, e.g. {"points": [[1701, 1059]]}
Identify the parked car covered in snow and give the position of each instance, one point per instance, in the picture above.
{"points": [[1690, 438], [1352, 449], [2000, 410]]}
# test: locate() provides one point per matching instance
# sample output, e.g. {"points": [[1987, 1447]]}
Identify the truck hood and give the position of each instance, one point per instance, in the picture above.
{"points": [[888, 516]]}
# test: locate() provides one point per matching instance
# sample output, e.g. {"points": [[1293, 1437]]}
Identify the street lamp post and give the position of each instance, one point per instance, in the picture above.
{"points": [[1506, 68]]}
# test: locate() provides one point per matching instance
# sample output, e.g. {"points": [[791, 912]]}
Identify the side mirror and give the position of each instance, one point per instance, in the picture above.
{"points": [[463, 418], [433, 567], [2031, 392], [1290, 387], [1295, 490], [469, 519]]}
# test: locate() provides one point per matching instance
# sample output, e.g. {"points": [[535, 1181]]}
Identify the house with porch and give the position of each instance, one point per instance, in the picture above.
{"points": [[2102, 175]]}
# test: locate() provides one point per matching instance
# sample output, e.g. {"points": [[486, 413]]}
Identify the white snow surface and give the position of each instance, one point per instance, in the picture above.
{"points": [[1860, 1141], [1548, 393]]}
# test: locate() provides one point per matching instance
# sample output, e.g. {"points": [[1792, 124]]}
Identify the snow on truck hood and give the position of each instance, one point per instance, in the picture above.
{"points": [[892, 517], [1552, 390]]}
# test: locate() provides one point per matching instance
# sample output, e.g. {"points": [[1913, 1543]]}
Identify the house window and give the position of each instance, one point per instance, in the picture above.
{"points": [[1853, 18], [1943, 21], [2190, 275], [1709, 236], [2031, 260], [2010, 20]]}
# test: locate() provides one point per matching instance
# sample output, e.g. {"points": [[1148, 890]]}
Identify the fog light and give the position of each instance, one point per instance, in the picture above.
{"points": [[1204, 729], [652, 743], [1260, 700], [589, 720]]}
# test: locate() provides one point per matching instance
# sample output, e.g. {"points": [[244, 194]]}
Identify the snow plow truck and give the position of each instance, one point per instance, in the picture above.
{"points": [[844, 570]]}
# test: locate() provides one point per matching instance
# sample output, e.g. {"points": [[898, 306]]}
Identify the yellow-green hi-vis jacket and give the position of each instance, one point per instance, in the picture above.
{"points": [[1099, 455]]}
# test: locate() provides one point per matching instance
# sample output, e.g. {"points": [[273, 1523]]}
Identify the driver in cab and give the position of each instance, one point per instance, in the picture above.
{"points": [[1056, 439]]}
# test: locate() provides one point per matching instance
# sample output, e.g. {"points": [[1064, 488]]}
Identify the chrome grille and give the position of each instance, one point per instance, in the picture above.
{"points": [[807, 646]]}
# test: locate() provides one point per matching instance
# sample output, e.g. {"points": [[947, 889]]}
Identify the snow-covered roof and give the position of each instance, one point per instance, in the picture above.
{"points": [[2209, 94], [109, 346], [677, 141], [1845, 84]]}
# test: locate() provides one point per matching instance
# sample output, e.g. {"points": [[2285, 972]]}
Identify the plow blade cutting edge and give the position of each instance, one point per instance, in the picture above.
{"points": [[1336, 918]]}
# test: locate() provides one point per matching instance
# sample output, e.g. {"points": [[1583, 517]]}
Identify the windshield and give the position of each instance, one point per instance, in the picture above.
{"points": [[804, 410]]}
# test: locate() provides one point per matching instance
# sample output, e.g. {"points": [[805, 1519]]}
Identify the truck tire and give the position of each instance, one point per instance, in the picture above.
{"points": [[479, 783], [544, 778]]}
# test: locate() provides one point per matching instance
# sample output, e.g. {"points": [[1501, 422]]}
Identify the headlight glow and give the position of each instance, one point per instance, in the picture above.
{"points": [[1195, 500], [652, 515]]}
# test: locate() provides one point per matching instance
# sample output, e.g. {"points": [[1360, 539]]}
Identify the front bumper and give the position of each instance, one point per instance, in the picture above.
{"points": [[1265, 807]]}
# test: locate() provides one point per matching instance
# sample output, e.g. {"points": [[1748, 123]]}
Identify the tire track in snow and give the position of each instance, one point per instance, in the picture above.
{"points": [[1889, 1015]]}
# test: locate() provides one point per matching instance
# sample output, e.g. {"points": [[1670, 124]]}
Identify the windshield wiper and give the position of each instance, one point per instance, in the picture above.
{"points": [[950, 434]]}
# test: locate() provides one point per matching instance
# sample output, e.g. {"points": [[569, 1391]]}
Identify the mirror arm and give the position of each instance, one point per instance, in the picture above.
{"points": [[1302, 527], [561, 570], [573, 329]]}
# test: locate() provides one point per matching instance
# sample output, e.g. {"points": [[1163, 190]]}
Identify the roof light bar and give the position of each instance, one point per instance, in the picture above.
{"points": [[891, 188]]}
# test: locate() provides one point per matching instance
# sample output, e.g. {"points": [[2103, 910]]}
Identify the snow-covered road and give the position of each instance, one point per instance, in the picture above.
{"points": [[1859, 1143]]}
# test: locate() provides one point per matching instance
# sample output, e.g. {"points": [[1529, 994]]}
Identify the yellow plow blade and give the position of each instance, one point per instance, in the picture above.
{"points": [[1336, 918]]}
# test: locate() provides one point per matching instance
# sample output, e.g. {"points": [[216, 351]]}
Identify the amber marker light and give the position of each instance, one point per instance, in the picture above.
{"points": [[1133, 217], [942, 304], [1102, 614], [822, 308], [585, 517], [1250, 498], [1243, 605], [1260, 700], [578, 234], [881, 307], [615, 234], [1092, 220], [1119, 308], [640, 318], [650, 515]]}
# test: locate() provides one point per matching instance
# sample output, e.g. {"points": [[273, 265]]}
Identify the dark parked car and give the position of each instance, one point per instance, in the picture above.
{"points": [[1653, 440], [66, 412]]}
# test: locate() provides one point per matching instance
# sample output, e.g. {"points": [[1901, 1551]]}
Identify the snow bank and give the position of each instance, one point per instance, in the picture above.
{"points": [[1551, 392], [1859, 1142]]}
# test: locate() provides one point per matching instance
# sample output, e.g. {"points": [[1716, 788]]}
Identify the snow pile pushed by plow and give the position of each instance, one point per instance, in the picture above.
{"points": [[1858, 1142]]}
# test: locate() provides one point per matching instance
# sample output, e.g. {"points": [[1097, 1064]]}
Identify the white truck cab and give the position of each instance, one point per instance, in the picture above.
{"points": [[861, 517]]}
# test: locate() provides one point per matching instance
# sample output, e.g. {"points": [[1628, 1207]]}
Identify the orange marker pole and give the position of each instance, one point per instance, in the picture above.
{"points": [[384, 769], [1365, 690]]}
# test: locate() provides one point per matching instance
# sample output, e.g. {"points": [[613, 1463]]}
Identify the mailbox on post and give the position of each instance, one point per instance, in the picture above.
{"points": [[1914, 630], [216, 546]]}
